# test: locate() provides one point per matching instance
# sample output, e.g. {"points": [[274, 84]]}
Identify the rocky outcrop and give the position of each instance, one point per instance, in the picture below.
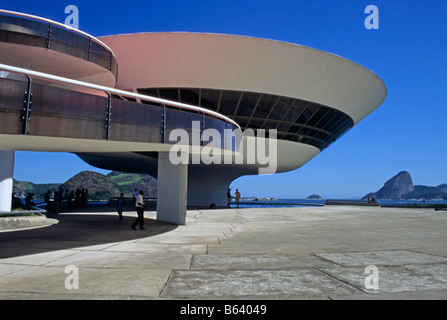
{"points": [[400, 187], [394, 189]]}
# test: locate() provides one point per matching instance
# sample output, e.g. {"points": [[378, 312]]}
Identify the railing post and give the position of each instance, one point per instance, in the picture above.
{"points": [[26, 112], [225, 137], [49, 34], [202, 128], [163, 124], [89, 48], [110, 61], [108, 115]]}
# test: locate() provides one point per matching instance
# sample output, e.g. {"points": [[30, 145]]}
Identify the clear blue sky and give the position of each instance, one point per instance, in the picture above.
{"points": [[408, 132]]}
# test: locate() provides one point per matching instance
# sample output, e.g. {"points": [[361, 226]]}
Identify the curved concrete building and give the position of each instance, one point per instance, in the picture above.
{"points": [[309, 96], [158, 82], [223, 63]]}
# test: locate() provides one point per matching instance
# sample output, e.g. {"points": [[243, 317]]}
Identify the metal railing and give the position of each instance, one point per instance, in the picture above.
{"points": [[81, 110], [57, 37]]}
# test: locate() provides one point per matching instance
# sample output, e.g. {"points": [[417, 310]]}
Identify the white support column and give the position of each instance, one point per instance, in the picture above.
{"points": [[6, 174], [172, 189]]}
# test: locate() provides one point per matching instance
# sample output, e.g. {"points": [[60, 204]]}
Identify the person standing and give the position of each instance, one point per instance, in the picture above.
{"points": [[120, 206], [238, 197], [86, 198], [135, 195], [139, 204], [47, 199], [228, 197]]}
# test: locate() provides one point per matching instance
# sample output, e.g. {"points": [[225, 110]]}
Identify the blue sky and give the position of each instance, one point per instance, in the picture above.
{"points": [[408, 52]]}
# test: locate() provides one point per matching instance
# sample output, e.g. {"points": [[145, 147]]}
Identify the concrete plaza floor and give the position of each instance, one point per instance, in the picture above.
{"points": [[331, 252]]}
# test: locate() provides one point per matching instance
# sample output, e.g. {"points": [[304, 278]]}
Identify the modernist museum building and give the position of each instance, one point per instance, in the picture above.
{"points": [[118, 101]]}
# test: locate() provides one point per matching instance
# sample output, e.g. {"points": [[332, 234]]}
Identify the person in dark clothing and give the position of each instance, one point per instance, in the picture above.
{"points": [[120, 206], [47, 199], [228, 197]]}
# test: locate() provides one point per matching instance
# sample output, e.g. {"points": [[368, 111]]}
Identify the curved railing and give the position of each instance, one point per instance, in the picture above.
{"points": [[35, 103], [26, 29]]}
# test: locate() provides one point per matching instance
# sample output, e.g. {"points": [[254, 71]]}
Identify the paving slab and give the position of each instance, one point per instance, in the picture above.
{"points": [[255, 284], [98, 282], [394, 279], [390, 258], [120, 260], [38, 258], [144, 247], [255, 262]]}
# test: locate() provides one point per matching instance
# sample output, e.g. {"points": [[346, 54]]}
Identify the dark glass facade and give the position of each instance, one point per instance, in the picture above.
{"points": [[294, 119], [47, 110]]}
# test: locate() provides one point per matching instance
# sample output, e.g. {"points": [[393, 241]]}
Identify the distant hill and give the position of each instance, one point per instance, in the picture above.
{"points": [[314, 197], [100, 187], [22, 188], [128, 182], [428, 193], [400, 187]]}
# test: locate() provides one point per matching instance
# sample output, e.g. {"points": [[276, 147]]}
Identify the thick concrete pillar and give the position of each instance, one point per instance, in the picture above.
{"points": [[208, 185], [6, 174], [204, 192], [172, 189]]}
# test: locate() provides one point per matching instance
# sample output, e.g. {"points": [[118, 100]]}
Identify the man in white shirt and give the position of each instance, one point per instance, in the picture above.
{"points": [[139, 205], [135, 195]]}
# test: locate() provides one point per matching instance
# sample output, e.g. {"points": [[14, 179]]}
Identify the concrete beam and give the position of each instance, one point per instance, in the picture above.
{"points": [[6, 175], [172, 189]]}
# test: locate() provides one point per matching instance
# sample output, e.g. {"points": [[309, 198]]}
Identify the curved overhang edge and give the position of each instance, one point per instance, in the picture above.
{"points": [[371, 99]]}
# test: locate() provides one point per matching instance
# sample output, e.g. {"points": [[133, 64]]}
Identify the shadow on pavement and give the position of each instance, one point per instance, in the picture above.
{"points": [[77, 230]]}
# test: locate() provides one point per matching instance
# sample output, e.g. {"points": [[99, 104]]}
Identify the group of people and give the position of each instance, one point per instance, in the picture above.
{"points": [[75, 199], [373, 200], [237, 195], [139, 205]]}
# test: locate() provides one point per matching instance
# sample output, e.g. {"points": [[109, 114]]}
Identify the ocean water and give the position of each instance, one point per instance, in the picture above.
{"points": [[284, 203], [304, 202], [279, 203]]}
